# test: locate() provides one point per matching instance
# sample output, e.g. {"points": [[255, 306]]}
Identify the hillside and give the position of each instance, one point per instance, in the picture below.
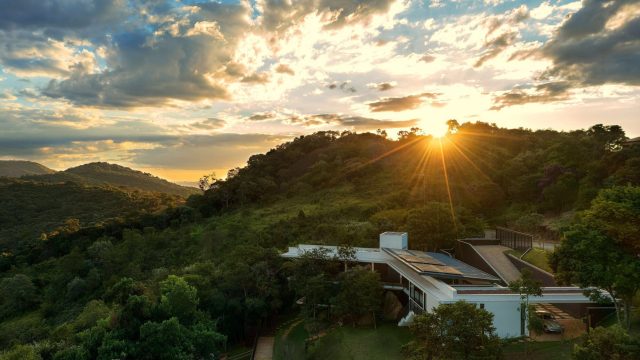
{"points": [[326, 187], [18, 168], [101, 173], [29, 209]]}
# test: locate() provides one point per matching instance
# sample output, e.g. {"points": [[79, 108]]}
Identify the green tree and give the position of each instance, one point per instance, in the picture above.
{"points": [[165, 340], [178, 298], [360, 294], [21, 352], [600, 251], [311, 279], [607, 343], [454, 331], [431, 227], [526, 286], [346, 254], [17, 294]]}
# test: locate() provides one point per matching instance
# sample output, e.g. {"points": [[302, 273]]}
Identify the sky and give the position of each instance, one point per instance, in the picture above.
{"points": [[184, 88]]}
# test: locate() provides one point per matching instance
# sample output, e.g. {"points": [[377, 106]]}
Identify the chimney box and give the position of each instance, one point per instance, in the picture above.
{"points": [[394, 240]]}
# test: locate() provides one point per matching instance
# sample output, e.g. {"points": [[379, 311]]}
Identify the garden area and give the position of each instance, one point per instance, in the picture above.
{"points": [[344, 342]]}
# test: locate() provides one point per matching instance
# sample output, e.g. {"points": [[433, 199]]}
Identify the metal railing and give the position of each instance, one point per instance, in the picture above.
{"points": [[514, 239]]}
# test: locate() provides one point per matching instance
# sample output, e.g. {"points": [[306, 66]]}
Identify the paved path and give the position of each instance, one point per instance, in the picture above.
{"points": [[264, 348], [494, 255]]}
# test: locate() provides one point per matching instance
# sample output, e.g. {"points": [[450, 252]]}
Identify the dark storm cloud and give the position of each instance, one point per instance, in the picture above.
{"points": [[183, 56], [598, 44], [61, 14], [166, 52], [586, 52], [396, 104]]}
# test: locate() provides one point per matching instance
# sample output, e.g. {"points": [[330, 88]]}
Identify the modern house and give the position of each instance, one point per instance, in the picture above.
{"points": [[424, 280]]}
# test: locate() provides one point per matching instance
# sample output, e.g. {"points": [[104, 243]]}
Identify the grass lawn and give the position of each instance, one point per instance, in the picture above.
{"points": [[346, 342], [536, 256], [557, 350], [289, 342]]}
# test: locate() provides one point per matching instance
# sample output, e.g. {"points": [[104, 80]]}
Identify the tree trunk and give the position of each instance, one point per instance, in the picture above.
{"points": [[627, 313]]}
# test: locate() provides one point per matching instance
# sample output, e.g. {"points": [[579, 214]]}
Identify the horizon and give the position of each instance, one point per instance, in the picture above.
{"points": [[181, 89], [223, 174]]}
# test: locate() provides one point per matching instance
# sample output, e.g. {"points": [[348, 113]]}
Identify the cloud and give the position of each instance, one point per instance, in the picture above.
{"points": [[598, 44], [164, 53], [428, 58], [278, 16], [400, 103], [209, 124], [543, 93], [63, 14], [344, 86], [262, 116], [27, 54], [350, 121], [496, 46], [224, 150], [257, 78], [384, 86], [284, 69]]}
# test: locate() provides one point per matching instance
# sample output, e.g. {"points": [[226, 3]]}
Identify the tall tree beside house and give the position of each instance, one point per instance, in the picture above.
{"points": [[600, 251], [310, 279], [526, 287], [360, 294], [454, 331], [346, 254]]}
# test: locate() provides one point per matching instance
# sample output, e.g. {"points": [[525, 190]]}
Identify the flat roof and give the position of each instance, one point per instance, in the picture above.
{"points": [[438, 265], [420, 262]]}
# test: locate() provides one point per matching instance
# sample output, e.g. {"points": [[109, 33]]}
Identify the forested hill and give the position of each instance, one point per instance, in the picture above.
{"points": [[196, 279], [500, 175], [17, 168], [30, 210], [101, 173]]}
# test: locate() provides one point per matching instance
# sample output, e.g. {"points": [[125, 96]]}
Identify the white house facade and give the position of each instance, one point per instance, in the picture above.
{"points": [[429, 279]]}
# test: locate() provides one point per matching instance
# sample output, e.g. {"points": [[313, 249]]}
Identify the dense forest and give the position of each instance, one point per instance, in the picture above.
{"points": [[199, 278]]}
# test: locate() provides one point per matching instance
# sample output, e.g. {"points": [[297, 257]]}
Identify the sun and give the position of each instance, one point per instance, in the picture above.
{"points": [[437, 130]]}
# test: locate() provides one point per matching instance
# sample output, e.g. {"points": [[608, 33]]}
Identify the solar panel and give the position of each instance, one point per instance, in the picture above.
{"points": [[421, 259], [437, 269]]}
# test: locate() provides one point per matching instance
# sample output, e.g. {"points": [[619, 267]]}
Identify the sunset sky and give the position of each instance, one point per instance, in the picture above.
{"points": [[183, 88]]}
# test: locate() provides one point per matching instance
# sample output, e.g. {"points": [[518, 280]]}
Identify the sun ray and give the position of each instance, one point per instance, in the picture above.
{"points": [[446, 181], [464, 156]]}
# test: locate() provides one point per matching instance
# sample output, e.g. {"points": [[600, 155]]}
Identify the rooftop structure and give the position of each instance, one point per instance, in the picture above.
{"points": [[428, 279]]}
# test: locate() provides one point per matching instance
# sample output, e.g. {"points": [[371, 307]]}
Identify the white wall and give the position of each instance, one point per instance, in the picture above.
{"points": [[506, 317]]}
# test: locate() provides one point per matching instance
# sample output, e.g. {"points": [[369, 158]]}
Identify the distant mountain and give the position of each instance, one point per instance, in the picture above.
{"points": [[101, 173], [18, 168], [30, 208]]}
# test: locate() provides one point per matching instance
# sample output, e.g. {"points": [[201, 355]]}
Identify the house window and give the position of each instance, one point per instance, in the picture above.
{"points": [[481, 306]]}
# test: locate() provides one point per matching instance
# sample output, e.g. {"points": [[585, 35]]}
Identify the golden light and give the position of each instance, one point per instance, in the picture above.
{"points": [[437, 130]]}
